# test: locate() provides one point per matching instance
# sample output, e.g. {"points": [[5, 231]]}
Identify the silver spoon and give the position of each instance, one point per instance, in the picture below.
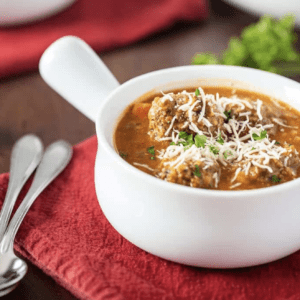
{"points": [[8, 290], [12, 268], [25, 157]]}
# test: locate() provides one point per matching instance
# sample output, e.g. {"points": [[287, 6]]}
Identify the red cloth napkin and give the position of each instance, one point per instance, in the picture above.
{"points": [[66, 234], [102, 24]]}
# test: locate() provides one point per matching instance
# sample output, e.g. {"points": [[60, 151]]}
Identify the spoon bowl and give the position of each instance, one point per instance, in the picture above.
{"points": [[12, 270], [8, 290]]}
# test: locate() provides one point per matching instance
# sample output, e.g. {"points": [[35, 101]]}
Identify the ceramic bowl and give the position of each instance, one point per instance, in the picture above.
{"points": [[206, 228], [276, 8], [16, 12]]}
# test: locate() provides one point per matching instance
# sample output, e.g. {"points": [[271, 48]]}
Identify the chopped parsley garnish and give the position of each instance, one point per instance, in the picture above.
{"points": [[183, 135], [197, 92], [185, 143], [220, 140], [214, 149], [275, 179], [253, 148], [152, 157], [151, 150], [200, 140], [228, 114], [189, 140], [197, 172], [227, 153], [123, 155], [263, 134], [277, 143]]}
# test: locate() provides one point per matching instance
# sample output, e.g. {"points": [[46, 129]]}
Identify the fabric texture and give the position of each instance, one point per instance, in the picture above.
{"points": [[66, 234], [102, 24]]}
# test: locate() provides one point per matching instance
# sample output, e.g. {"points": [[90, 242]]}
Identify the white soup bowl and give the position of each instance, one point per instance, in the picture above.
{"points": [[206, 228]]}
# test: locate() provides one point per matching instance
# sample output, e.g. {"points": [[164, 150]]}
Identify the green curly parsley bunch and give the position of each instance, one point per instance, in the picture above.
{"points": [[267, 45]]}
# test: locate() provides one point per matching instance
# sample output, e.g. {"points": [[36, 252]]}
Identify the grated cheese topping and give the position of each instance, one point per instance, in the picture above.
{"points": [[144, 166], [237, 142]]}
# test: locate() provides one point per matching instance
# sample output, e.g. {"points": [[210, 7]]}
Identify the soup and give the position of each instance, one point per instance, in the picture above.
{"points": [[213, 138]]}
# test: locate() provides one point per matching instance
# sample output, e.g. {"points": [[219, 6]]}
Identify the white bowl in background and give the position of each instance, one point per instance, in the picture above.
{"points": [[276, 8], [16, 12]]}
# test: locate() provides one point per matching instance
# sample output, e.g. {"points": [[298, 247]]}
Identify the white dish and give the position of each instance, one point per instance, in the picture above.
{"points": [[15, 12], [206, 228], [276, 8]]}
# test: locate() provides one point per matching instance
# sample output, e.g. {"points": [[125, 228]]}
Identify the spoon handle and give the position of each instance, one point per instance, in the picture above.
{"points": [[26, 155], [55, 159]]}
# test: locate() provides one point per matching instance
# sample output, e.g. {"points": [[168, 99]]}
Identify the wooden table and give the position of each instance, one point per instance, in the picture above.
{"points": [[28, 105]]}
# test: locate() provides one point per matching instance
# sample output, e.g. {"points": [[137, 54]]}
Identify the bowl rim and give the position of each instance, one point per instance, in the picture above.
{"points": [[186, 190]]}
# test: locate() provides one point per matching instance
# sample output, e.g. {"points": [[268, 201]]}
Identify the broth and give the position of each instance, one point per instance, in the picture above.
{"points": [[143, 138]]}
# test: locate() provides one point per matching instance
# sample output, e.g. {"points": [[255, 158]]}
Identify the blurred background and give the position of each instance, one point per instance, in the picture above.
{"points": [[132, 38]]}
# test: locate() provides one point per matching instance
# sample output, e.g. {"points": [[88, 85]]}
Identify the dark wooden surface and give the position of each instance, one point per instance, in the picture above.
{"points": [[28, 105]]}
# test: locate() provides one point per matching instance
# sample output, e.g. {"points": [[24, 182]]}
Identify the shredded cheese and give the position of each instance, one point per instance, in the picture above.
{"points": [[237, 146], [238, 170], [235, 185], [258, 107], [171, 125], [280, 123], [143, 165]]}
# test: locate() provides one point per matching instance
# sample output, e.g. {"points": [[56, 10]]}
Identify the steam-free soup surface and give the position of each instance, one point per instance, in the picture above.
{"points": [[212, 138]]}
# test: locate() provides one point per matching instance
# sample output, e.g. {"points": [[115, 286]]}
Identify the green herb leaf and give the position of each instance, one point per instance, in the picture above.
{"points": [[190, 140], [277, 143], [197, 172], [275, 179], [252, 148], [152, 157], [267, 45], [228, 114], [183, 135], [235, 54], [205, 59], [197, 92], [227, 153], [214, 149], [200, 141], [220, 140], [123, 155], [151, 150], [182, 143], [263, 134]]}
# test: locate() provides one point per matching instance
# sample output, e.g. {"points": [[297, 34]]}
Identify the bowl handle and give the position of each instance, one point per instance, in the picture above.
{"points": [[75, 71]]}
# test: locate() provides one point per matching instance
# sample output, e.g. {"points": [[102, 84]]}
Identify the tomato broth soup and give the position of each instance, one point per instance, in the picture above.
{"points": [[212, 137]]}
